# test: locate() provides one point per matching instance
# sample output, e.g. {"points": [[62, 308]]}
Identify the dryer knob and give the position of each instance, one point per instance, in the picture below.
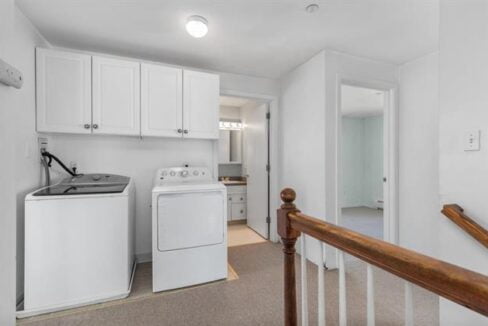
{"points": [[195, 173], [184, 173]]}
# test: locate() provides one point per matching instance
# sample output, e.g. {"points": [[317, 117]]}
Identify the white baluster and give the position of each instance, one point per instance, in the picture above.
{"points": [[370, 295], [321, 289], [408, 304], [342, 291], [304, 280]]}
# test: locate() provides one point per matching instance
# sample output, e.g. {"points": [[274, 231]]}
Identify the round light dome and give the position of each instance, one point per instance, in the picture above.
{"points": [[196, 26]]}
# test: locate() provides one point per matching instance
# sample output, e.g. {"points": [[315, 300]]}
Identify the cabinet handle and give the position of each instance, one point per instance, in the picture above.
{"points": [[179, 131], [185, 131], [87, 126], [95, 126]]}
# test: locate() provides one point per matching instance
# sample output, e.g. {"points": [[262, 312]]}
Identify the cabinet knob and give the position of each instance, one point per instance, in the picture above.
{"points": [[95, 126], [179, 131], [230, 198], [86, 126], [185, 131], [242, 211], [242, 199]]}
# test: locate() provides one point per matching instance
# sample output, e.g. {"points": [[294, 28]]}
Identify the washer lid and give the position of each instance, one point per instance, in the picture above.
{"points": [[87, 189]]}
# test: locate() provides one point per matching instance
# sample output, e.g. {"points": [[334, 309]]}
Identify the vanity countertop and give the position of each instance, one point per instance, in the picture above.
{"points": [[233, 181]]}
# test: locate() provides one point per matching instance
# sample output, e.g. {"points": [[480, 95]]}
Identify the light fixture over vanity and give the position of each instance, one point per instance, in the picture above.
{"points": [[230, 125]]}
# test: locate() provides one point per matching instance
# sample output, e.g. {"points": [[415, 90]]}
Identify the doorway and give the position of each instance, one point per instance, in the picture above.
{"points": [[244, 167], [364, 160]]}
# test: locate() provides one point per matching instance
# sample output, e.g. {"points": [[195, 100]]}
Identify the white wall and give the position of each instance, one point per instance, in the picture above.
{"points": [[419, 154], [18, 145], [463, 82], [230, 112], [303, 137]]}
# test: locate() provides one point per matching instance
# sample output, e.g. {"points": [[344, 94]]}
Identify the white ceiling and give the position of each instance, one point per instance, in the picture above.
{"points": [[255, 37], [361, 102]]}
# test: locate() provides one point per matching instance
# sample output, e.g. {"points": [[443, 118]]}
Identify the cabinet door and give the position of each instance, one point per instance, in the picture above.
{"points": [[201, 105], [63, 88], [161, 101], [238, 212], [116, 96]]}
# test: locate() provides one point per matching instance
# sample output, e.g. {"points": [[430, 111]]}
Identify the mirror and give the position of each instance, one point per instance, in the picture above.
{"points": [[230, 147]]}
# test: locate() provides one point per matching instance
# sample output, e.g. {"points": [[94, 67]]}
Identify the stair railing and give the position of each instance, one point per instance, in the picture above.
{"points": [[456, 214], [452, 282]]}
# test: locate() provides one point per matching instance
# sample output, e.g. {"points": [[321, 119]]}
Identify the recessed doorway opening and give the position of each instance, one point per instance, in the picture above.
{"points": [[363, 160], [244, 167]]}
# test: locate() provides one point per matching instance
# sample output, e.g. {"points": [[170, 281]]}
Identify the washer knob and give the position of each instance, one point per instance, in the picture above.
{"points": [[172, 173], [195, 173], [184, 173]]}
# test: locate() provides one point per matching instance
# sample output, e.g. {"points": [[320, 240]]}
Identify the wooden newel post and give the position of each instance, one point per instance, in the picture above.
{"points": [[289, 237]]}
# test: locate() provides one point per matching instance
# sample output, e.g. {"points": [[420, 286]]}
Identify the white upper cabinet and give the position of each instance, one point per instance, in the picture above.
{"points": [[116, 96], [79, 93], [200, 105], [161, 101], [63, 88]]}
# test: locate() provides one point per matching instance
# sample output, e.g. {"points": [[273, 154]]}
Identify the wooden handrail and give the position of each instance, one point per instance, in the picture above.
{"points": [[455, 283], [456, 214]]}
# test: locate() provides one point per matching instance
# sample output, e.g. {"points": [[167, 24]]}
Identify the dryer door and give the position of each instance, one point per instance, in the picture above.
{"points": [[188, 220]]}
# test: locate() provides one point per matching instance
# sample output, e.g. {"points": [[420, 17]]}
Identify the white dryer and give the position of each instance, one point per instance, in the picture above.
{"points": [[189, 228]]}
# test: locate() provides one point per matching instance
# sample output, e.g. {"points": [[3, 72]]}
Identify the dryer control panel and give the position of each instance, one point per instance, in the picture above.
{"points": [[182, 175]]}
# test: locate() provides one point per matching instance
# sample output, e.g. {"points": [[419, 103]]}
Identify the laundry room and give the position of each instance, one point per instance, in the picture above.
{"points": [[109, 148]]}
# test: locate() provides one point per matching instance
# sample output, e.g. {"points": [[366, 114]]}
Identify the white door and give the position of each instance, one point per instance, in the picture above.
{"points": [[116, 96], [201, 105], [188, 220], [256, 150], [161, 101], [63, 87]]}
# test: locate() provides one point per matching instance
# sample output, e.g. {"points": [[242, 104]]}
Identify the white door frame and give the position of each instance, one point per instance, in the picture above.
{"points": [[275, 201], [390, 138]]}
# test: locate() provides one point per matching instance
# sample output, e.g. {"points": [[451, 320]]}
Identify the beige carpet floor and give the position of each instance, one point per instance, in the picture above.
{"points": [[365, 220], [256, 298]]}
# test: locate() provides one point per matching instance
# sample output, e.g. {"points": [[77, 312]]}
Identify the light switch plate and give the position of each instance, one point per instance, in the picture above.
{"points": [[472, 140]]}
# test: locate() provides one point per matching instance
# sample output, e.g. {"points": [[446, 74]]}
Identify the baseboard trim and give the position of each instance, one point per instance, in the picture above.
{"points": [[144, 257]]}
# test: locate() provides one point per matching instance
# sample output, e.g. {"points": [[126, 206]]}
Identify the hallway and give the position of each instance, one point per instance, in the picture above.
{"points": [[256, 298]]}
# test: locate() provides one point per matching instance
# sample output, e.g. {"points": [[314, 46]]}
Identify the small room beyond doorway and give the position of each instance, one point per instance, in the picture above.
{"points": [[362, 159], [243, 160]]}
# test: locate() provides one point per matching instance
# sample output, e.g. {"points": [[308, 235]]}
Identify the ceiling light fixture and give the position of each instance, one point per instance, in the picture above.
{"points": [[312, 8], [196, 26]]}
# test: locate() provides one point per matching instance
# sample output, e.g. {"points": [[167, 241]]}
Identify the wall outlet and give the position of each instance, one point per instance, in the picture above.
{"points": [[472, 140], [42, 144]]}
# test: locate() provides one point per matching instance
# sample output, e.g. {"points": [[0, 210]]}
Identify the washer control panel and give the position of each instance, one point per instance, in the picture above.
{"points": [[182, 175]]}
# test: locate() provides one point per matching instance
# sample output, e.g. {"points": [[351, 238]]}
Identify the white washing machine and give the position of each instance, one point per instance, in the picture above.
{"points": [[189, 228], [79, 243]]}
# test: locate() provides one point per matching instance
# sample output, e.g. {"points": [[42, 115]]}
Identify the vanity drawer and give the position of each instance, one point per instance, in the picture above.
{"points": [[238, 211], [238, 198], [236, 189]]}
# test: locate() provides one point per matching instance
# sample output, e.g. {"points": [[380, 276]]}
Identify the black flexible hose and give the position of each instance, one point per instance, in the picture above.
{"points": [[51, 157]]}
